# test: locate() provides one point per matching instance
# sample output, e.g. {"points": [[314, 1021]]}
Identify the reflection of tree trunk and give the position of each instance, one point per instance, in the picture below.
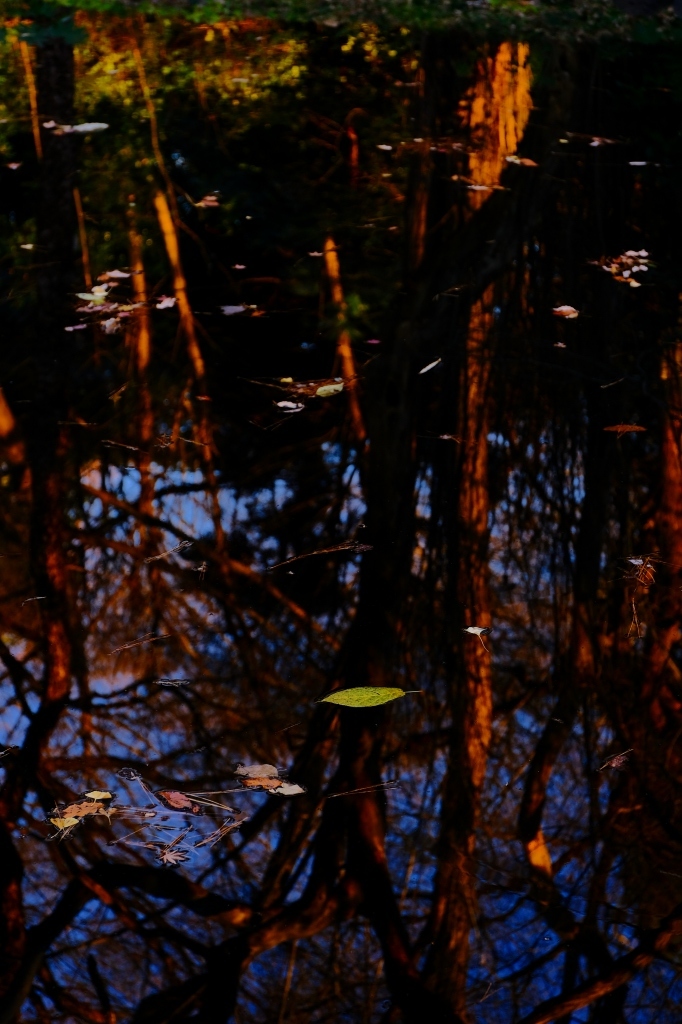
{"points": [[139, 339], [170, 238], [454, 903], [662, 677], [44, 451], [495, 111], [12, 447], [343, 346], [418, 207], [32, 96]]}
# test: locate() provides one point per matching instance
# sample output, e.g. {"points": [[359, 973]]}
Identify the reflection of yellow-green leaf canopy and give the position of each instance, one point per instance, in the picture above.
{"points": [[364, 696]]}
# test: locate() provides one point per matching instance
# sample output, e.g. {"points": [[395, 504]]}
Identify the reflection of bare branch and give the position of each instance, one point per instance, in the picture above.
{"points": [[618, 974]]}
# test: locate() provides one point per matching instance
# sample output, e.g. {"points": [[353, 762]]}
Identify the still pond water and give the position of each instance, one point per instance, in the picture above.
{"points": [[339, 361]]}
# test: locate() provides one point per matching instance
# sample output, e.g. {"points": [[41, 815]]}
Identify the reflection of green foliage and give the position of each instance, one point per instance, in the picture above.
{"points": [[558, 19], [38, 21]]}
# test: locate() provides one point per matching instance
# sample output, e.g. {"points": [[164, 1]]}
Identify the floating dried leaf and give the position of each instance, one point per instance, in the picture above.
{"points": [[625, 428], [567, 312]]}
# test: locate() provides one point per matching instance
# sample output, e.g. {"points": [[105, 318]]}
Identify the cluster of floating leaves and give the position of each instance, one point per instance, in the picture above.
{"points": [[297, 390], [624, 268], [161, 814]]}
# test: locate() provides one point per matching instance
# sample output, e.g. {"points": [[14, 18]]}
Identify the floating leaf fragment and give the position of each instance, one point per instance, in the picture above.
{"points": [[480, 632], [290, 406], [430, 366], [267, 777], [80, 129], [364, 696], [232, 310], [174, 800], [567, 312], [523, 161], [63, 823], [166, 302], [113, 275], [618, 761], [327, 390], [99, 794], [625, 428]]}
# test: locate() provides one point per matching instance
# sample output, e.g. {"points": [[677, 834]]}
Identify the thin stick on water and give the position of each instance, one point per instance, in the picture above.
{"points": [[390, 784], [148, 638]]}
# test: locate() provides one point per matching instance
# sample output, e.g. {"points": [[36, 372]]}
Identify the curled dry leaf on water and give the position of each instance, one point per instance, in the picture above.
{"points": [[289, 407], [522, 161], [567, 312], [111, 275], [364, 696], [430, 366], [210, 201], [267, 777], [480, 632], [97, 296], [625, 428], [618, 761], [87, 128], [165, 301], [233, 310]]}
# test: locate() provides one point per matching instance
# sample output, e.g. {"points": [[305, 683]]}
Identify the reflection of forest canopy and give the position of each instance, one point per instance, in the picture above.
{"points": [[364, 195]]}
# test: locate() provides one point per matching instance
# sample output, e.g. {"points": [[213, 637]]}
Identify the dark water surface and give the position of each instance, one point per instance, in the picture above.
{"points": [[299, 295]]}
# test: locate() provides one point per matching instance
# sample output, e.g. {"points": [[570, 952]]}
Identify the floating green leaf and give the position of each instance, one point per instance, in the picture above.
{"points": [[364, 696]]}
